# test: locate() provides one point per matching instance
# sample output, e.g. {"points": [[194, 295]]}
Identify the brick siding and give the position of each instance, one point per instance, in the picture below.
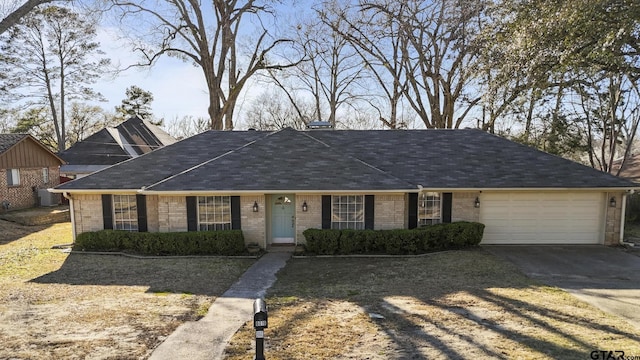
{"points": [[87, 213], [172, 213], [253, 223], [463, 207], [612, 220], [23, 196], [312, 218], [389, 212]]}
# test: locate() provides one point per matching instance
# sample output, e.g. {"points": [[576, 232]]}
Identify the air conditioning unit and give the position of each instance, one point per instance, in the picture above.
{"points": [[46, 198]]}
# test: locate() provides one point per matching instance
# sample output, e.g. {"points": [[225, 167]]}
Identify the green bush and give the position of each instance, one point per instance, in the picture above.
{"points": [[227, 242], [395, 242], [322, 242], [351, 242], [434, 237]]}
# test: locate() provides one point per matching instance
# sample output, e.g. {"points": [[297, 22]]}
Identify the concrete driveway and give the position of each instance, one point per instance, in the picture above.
{"points": [[605, 277]]}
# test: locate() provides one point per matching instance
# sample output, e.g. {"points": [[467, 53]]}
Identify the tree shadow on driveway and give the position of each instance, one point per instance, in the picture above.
{"points": [[455, 305]]}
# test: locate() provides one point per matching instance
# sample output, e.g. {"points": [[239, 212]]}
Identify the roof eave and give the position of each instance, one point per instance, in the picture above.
{"points": [[93, 191], [327, 191]]}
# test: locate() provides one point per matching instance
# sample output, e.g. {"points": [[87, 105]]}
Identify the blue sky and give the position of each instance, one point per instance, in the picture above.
{"points": [[178, 87]]}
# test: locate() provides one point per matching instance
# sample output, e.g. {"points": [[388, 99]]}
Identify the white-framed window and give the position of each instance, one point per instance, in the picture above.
{"points": [[429, 208], [347, 212], [214, 213], [45, 175], [13, 177], [125, 212]]}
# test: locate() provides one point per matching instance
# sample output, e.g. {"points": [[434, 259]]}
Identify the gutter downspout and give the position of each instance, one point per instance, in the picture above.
{"points": [[623, 213], [71, 214], [622, 217]]}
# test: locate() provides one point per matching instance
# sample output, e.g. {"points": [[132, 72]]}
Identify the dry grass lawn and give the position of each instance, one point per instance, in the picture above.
{"points": [[57, 305], [454, 305]]}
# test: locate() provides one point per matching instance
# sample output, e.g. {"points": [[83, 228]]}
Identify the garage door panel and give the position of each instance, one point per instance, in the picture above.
{"points": [[542, 218]]}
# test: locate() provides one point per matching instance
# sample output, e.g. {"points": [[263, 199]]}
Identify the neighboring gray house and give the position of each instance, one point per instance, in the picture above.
{"points": [[274, 185], [109, 146]]}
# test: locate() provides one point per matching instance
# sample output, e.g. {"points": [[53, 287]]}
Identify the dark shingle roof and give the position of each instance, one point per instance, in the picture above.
{"points": [[285, 160], [158, 165], [8, 140], [467, 158], [346, 160], [113, 145]]}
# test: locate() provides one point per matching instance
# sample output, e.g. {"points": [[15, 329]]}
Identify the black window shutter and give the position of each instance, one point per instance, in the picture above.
{"points": [[141, 204], [446, 207], [413, 210], [326, 211], [107, 212], [235, 213], [369, 211], [192, 213]]}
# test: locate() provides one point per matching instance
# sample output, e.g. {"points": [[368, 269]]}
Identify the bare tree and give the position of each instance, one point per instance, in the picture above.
{"points": [[610, 107], [49, 58], [187, 126], [378, 42], [269, 111], [332, 73], [85, 120], [210, 38]]}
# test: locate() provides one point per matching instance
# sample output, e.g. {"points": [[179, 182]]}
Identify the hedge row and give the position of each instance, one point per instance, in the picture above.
{"points": [[227, 242], [395, 242]]}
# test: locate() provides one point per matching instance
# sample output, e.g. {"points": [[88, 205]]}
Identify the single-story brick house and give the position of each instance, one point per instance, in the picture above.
{"points": [[274, 185], [27, 169]]}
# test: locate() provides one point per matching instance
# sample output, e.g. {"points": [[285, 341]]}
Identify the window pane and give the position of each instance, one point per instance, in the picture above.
{"points": [[214, 213], [347, 212], [429, 208], [125, 212]]}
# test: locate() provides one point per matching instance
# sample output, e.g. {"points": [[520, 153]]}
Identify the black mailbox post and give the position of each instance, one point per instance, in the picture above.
{"points": [[260, 322]]}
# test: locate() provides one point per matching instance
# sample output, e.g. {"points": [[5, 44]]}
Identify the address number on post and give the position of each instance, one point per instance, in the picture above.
{"points": [[260, 323], [259, 334]]}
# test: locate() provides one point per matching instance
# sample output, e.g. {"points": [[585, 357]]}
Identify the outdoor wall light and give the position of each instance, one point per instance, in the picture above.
{"points": [[305, 207], [612, 201], [255, 206], [477, 202]]}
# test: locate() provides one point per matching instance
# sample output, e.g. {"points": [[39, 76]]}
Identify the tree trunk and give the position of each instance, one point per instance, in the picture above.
{"points": [[14, 17]]}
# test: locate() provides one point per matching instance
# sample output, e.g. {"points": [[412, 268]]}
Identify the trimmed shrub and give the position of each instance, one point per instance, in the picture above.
{"points": [[322, 242], [351, 242], [434, 237], [227, 242], [395, 242]]}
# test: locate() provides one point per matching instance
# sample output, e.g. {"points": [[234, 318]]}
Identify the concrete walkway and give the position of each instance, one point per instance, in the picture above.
{"points": [[208, 337]]}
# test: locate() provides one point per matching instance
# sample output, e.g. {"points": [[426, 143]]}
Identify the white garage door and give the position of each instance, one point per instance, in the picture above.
{"points": [[542, 218]]}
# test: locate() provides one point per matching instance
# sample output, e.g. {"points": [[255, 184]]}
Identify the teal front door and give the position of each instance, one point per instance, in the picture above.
{"points": [[283, 220]]}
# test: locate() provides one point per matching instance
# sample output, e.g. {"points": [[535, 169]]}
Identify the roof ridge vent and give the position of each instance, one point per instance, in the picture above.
{"points": [[319, 125]]}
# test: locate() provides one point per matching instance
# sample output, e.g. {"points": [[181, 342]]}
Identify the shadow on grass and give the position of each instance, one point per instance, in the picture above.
{"points": [[198, 276], [457, 305], [10, 231]]}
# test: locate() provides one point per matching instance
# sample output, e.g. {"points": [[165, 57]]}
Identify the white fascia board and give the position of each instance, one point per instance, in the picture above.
{"points": [[263, 192], [94, 191], [602, 189], [335, 191]]}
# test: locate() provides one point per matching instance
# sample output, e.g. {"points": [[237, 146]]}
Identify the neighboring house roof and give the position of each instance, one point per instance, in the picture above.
{"points": [[630, 169], [23, 150], [109, 146], [9, 140], [347, 160]]}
